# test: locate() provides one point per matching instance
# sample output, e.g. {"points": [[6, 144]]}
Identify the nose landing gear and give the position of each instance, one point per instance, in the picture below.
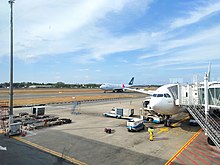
{"points": [[167, 122]]}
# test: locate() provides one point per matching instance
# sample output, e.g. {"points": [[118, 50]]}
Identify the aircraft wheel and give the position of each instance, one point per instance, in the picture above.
{"points": [[210, 142], [168, 123], [165, 123]]}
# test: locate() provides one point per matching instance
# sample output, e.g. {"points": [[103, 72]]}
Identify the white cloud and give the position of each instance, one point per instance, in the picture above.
{"points": [[206, 37], [196, 15], [201, 47], [82, 70], [111, 45], [48, 28]]}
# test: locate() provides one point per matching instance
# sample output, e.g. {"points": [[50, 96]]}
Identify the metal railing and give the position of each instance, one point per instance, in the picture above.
{"points": [[207, 123]]}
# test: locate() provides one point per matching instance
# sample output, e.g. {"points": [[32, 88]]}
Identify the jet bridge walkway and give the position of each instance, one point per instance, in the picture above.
{"points": [[199, 99], [207, 122]]}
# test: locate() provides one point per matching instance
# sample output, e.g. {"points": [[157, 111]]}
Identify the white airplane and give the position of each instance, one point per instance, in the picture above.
{"points": [[162, 101], [116, 87]]}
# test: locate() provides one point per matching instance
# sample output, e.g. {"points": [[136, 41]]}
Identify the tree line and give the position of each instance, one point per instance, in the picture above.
{"points": [[48, 85]]}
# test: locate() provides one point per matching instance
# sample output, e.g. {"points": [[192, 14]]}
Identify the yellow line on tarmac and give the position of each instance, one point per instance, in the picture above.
{"points": [[50, 151], [183, 147], [180, 121], [166, 129]]}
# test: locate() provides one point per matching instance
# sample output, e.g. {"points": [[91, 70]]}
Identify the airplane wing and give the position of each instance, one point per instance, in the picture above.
{"points": [[149, 92]]}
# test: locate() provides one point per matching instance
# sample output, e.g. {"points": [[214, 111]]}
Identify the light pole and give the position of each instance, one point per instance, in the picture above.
{"points": [[11, 66]]}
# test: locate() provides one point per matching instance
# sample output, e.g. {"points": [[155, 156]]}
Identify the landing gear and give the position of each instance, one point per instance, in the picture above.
{"points": [[210, 142], [167, 122]]}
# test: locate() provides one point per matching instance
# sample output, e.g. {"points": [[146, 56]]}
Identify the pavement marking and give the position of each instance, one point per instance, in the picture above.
{"points": [[173, 125], [183, 147], [205, 155], [3, 148], [72, 160], [166, 129], [197, 156]]}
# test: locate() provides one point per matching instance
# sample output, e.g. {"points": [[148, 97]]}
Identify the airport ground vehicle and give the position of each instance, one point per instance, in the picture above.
{"points": [[135, 124], [119, 112], [153, 118]]}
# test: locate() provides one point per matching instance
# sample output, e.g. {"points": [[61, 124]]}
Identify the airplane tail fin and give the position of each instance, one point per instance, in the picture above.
{"points": [[131, 81]]}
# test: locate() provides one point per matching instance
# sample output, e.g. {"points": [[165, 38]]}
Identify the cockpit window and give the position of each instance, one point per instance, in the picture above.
{"points": [[162, 95], [166, 95], [159, 95]]}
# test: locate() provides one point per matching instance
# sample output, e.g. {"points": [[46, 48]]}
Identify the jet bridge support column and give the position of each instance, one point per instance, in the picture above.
{"points": [[206, 88]]}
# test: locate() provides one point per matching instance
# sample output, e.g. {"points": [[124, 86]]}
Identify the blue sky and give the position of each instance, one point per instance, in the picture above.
{"points": [[97, 41]]}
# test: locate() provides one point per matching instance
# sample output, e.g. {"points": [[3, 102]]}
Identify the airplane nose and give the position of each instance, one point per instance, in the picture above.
{"points": [[155, 104], [102, 87]]}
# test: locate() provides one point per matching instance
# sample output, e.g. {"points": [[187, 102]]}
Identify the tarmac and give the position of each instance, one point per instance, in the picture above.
{"points": [[85, 142], [13, 151]]}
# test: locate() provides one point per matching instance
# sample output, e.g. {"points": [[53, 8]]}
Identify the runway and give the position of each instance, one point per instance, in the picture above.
{"points": [[27, 94]]}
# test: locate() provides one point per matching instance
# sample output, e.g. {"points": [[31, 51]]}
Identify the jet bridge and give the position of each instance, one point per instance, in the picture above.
{"points": [[202, 100], [194, 94]]}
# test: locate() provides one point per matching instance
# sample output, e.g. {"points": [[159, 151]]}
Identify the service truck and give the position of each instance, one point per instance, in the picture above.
{"points": [[120, 112], [135, 124]]}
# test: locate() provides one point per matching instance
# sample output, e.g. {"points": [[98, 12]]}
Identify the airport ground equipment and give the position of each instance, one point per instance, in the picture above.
{"points": [[4, 114], [135, 124], [120, 112], [150, 116], [38, 110], [109, 130], [153, 118], [15, 129]]}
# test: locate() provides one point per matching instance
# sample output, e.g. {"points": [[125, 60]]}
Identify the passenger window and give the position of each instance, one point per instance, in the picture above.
{"points": [[154, 95]]}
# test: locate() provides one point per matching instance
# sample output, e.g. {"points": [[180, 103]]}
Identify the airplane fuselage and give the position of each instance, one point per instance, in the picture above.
{"points": [[114, 87]]}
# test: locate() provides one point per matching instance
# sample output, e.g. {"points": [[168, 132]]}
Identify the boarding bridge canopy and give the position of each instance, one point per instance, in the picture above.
{"points": [[213, 95], [193, 94]]}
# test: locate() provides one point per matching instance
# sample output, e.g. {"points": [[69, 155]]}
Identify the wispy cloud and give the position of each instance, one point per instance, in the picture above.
{"points": [[111, 45], [82, 70], [198, 14], [70, 27], [113, 34]]}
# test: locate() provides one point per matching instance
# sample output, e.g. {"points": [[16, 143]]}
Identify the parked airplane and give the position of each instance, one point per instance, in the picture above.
{"points": [[116, 87], [162, 101]]}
